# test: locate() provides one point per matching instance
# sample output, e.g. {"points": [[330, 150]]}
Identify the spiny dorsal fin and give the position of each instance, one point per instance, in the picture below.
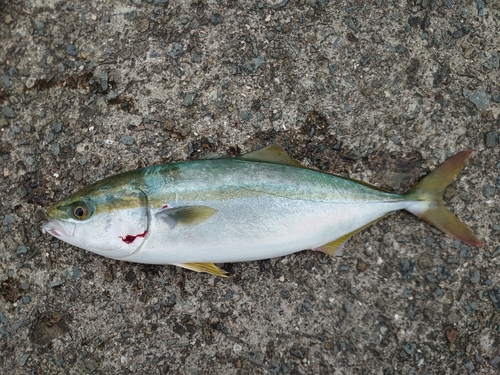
{"points": [[204, 267], [210, 155], [271, 154], [186, 216]]}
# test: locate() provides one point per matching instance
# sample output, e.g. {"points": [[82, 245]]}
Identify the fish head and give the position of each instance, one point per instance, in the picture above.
{"points": [[108, 220]]}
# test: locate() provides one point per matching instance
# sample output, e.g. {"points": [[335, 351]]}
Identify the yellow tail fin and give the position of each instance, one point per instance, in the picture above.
{"points": [[431, 190]]}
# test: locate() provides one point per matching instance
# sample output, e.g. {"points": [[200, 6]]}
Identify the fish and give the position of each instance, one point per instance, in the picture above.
{"points": [[260, 205]]}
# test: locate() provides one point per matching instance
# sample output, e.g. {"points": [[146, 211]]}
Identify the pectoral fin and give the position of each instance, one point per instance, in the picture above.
{"points": [[204, 267], [179, 217]]}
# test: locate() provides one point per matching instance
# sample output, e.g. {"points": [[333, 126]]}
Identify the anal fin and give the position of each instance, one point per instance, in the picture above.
{"points": [[204, 267], [336, 246]]}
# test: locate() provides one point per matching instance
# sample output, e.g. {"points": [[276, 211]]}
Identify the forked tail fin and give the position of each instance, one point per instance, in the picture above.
{"points": [[431, 189]]}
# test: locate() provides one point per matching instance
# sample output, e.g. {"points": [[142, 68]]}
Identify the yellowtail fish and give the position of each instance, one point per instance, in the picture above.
{"points": [[256, 206]]}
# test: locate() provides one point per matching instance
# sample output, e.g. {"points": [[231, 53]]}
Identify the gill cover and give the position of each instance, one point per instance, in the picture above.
{"points": [[109, 221]]}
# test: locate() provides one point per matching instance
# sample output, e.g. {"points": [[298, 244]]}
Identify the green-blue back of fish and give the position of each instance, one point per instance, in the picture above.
{"points": [[260, 205]]}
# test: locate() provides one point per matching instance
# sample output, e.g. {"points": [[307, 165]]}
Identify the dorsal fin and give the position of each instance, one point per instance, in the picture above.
{"points": [[271, 154]]}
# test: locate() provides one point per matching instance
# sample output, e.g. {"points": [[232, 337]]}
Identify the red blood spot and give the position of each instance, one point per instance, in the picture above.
{"points": [[130, 238], [166, 206]]}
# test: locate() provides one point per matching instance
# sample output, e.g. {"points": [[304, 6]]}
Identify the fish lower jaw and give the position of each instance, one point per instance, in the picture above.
{"points": [[54, 232], [57, 230]]}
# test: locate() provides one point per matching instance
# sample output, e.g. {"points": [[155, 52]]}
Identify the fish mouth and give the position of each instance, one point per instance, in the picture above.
{"points": [[58, 228]]}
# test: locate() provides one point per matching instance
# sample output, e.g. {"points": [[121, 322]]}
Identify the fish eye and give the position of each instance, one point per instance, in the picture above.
{"points": [[80, 211]]}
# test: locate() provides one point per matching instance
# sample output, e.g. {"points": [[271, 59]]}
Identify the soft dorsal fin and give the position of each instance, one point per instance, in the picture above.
{"points": [[271, 154]]}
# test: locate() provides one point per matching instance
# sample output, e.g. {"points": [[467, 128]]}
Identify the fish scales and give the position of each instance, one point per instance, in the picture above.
{"points": [[233, 178]]}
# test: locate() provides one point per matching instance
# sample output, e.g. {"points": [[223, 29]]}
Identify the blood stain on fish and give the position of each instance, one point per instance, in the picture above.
{"points": [[129, 238]]}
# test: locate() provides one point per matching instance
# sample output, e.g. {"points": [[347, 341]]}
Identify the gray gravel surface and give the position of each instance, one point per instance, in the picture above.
{"points": [[378, 90]]}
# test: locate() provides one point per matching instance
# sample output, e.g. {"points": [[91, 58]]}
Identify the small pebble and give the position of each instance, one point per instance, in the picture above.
{"points": [[364, 59], [21, 191], [493, 62], [436, 293], [430, 278], [352, 26], [188, 100], [229, 295], [453, 318], [21, 249], [474, 277], [111, 95], [285, 294], [361, 265], [56, 283], [71, 49], [55, 149], [410, 348], [127, 140], [3, 319], [23, 359], [56, 127], [18, 325], [406, 267], [401, 49], [457, 34], [9, 219], [29, 160], [494, 295], [488, 191], [73, 273], [491, 139], [496, 253], [246, 116], [8, 112], [256, 63], [216, 19], [495, 362], [6, 80], [480, 99], [410, 311], [443, 272], [50, 137]]}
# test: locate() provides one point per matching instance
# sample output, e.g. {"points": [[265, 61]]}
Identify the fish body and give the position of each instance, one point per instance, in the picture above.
{"points": [[260, 205]]}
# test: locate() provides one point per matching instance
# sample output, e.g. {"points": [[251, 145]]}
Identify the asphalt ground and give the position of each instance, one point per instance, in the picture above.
{"points": [[375, 90]]}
